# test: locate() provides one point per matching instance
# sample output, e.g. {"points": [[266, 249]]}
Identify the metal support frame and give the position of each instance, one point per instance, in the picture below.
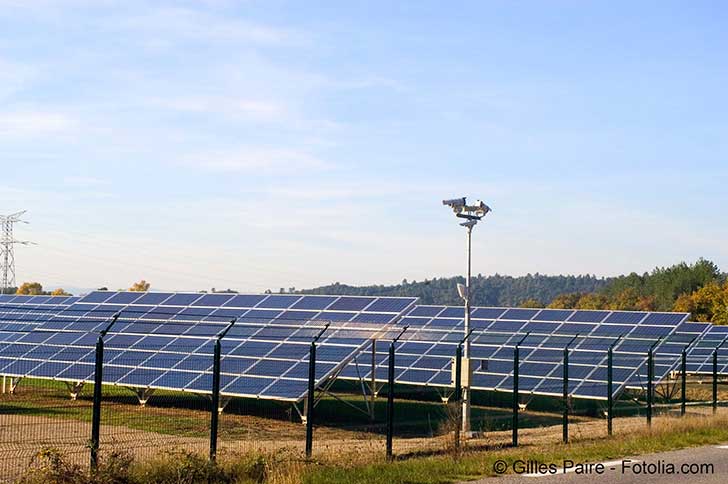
{"points": [[143, 394], [516, 409], [310, 398], [14, 382], [74, 389], [390, 394]]}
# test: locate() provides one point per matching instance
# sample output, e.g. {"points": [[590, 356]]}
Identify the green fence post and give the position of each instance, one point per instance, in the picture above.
{"points": [[683, 380], [390, 395], [96, 412]]}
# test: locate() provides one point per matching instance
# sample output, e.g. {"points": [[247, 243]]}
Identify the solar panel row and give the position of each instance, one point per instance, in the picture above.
{"points": [[165, 340], [424, 356]]}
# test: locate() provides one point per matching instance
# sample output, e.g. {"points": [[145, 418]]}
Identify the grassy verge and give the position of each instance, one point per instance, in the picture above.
{"points": [[667, 434]]}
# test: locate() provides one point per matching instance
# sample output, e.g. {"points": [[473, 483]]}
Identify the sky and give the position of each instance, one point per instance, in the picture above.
{"points": [[265, 144]]}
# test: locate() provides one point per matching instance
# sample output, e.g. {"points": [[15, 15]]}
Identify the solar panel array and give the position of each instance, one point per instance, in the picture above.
{"points": [[165, 340], [425, 353], [700, 354]]}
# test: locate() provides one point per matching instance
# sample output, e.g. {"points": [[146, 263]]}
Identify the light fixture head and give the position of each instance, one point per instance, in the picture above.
{"points": [[457, 204]]}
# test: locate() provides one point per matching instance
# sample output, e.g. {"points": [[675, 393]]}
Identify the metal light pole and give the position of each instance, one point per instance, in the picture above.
{"points": [[472, 215]]}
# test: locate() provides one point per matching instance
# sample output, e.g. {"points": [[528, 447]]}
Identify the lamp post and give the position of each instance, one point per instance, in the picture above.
{"points": [[472, 215]]}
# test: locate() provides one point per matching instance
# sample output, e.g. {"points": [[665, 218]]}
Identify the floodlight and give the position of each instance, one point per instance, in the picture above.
{"points": [[457, 204]]}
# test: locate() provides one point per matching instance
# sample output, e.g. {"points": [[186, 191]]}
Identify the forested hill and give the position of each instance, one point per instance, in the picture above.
{"points": [[494, 290]]}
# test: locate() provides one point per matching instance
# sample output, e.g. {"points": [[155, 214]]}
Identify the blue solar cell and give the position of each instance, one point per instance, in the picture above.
{"points": [[175, 379], [612, 330], [163, 361], [213, 300], [375, 318], [246, 385], [506, 326], [425, 311], [254, 348], [575, 328], [153, 298], [332, 353], [391, 305], [300, 370], [121, 340], [290, 389], [124, 297], [77, 372], [335, 316], [417, 375], [290, 351], [279, 301], [484, 313], [195, 362], [314, 302], [432, 363], [203, 383], [262, 316], [664, 318], [270, 367], [130, 358], [453, 312], [540, 327], [536, 369], [244, 301], [72, 354], [181, 299], [643, 330], [553, 315], [583, 316], [236, 365], [62, 338], [97, 297], [519, 314], [625, 317], [141, 377], [347, 303]]}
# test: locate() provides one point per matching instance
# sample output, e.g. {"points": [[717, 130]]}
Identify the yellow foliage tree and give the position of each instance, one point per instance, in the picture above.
{"points": [[141, 286], [592, 301], [708, 304], [565, 301], [531, 303], [30, 289], [60, 292]]}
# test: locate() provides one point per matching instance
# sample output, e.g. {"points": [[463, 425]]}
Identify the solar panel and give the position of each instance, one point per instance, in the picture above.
{"points": [[166, 340], [438, 330], [23, 313]]}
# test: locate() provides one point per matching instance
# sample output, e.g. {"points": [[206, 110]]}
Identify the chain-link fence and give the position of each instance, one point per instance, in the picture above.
{"points": [[354, 419]]}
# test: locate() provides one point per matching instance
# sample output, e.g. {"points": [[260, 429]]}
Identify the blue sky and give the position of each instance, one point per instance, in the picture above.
{"points": [[270, 144]]}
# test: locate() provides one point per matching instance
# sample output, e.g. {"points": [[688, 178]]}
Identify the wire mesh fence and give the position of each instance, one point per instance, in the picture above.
{"points": [[348, 419]]}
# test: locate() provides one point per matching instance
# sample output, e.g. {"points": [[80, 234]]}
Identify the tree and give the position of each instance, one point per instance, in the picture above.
{"points": [[60, 292], [707, 304], [141, 286], [592, 301], [30, 289], [531, 303], [565, 301]]}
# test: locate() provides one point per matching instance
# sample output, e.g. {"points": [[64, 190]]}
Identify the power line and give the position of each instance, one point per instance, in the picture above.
{"points": [[7, 252]]}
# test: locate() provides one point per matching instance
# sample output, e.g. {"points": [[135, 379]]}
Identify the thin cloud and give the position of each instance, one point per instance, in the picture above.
{"points": [[34, 123], [259, 160]]}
